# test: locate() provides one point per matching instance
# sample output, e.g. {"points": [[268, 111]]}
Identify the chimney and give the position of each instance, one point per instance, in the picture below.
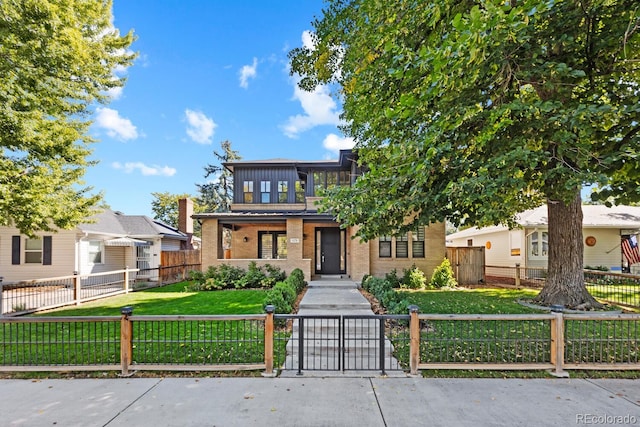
{"points": [[185, 211]]}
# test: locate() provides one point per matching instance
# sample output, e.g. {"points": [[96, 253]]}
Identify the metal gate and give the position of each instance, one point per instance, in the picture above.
{"points": [[345, 342]]}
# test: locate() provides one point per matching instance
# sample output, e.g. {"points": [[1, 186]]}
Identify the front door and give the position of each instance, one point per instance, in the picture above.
{"points": [[330, 251]]}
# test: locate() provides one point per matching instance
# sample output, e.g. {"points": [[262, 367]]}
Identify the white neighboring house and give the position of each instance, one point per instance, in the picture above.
{"points": [[603, 229], [112, 241]]}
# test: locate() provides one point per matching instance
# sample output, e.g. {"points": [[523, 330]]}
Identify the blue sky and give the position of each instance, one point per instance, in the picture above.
{"points": [[207, 71]]}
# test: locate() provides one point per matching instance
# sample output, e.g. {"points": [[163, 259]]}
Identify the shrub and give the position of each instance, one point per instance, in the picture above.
{"points": [[393, 279], [287, 291], [275, 298], [413, 278], [296, 279], [443, 276], [253, 278], [274, 275]]}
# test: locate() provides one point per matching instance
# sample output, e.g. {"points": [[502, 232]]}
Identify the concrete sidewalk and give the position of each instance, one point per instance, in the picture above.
{"points": [[318, 402]]}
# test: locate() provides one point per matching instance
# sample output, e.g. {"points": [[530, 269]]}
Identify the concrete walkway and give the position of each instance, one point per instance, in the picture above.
{"points": [[360, 343], [318, 402]]}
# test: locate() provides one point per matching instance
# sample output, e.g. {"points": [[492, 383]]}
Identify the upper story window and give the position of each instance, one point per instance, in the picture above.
{"points": [[539, 244], [283, 189], [328, 179], [265, 191], [247, 191], [300, 191], [417, 244]]}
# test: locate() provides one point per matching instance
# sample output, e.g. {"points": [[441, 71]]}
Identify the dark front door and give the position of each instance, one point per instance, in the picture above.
{"points": [[330, 251]]}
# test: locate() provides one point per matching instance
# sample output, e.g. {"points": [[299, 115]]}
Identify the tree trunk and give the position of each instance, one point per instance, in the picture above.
{"points": [[565, 279]]}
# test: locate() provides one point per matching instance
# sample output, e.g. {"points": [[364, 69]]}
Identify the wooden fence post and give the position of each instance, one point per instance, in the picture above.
{"points": [[414, 339], [126, 339], [557, 344], [268, 342], [517, 275], [77, 291]]}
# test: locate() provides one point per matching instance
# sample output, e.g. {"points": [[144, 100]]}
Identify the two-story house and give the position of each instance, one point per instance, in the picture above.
{"points": [[274, 219]]}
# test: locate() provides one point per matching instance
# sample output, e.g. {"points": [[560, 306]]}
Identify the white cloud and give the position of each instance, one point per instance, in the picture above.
{"points": [[333, 142], [248, 72], [114, 93], [319, 109], [145, 170], [307, 40], [200, 127], [116, 126]]}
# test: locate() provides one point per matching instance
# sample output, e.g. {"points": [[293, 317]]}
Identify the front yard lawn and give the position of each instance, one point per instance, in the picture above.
{"points": [[471, 301], [172, 300]]}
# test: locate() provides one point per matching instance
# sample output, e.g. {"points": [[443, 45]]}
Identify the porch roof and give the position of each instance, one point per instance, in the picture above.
{"points": [[236, 217]]}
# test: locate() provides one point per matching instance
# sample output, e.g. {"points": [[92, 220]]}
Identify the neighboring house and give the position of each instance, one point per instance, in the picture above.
{"points": [[274, 219], [112, 241], [603, 231]]}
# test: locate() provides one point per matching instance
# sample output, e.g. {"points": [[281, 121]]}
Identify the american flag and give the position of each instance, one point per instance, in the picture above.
{"points": [[630, 249]]}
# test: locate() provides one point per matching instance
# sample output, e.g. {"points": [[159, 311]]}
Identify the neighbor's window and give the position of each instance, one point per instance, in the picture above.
{"points": [[384, 246], [247, 191], [95, 252], [417, 244], [33, 251], [283, 187], [299, 191], [265, 191], [539, 244], [402, 246]]}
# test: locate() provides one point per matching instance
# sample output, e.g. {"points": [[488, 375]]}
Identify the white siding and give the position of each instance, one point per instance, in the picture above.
{"points": [[170, 245], [62, 258], [606, 251], [501, 242]]}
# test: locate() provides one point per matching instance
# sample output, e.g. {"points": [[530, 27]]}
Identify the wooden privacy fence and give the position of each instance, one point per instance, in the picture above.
{"points": [[467, 263], [174, 267], [554, 341]]}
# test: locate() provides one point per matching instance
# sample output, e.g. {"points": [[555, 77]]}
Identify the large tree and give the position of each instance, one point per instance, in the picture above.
{"points": [[474, 111], [216, 195], [57, 58]]}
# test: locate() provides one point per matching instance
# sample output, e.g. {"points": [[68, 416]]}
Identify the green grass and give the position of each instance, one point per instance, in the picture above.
{"points": [[471, 301], [172, 300]]}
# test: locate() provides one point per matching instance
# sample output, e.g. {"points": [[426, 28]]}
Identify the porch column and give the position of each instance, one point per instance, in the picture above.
{"points": [[359, 255], [212, 242], [295, 238]]}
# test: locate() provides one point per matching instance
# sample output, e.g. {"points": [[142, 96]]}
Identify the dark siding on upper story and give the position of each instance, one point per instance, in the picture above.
{"points": [[257, 175]]}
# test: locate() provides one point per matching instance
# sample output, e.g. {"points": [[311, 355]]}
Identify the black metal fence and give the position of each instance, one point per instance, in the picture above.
{"points": [[606, 286], [557, 341]]}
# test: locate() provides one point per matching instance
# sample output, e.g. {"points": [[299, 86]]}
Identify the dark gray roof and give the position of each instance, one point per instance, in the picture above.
{"points": [[117, 223]]}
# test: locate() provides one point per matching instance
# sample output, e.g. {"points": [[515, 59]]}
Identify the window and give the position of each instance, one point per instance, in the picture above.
{"points": [[539, 244], [36, 251], [319, 183], [384, 247], [469, 242], [273, 245], [299, 191], [247, 191], [33, 251], [332, 179], [283, 187], [265, 191], [95, 252], [402, 246], [417, 244]]}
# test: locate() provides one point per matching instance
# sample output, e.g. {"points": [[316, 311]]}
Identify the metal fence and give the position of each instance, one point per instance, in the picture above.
{"points": [[342, 342], [556, 341], [43, 294], [606, 286]]}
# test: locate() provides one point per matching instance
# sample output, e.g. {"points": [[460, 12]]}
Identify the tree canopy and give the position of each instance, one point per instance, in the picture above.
{"points": [[217, 194], [57, 59], [474, 111]]}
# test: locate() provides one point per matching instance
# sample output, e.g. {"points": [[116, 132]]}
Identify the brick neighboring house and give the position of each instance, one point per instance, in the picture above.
{"points": [[274, 219]]}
